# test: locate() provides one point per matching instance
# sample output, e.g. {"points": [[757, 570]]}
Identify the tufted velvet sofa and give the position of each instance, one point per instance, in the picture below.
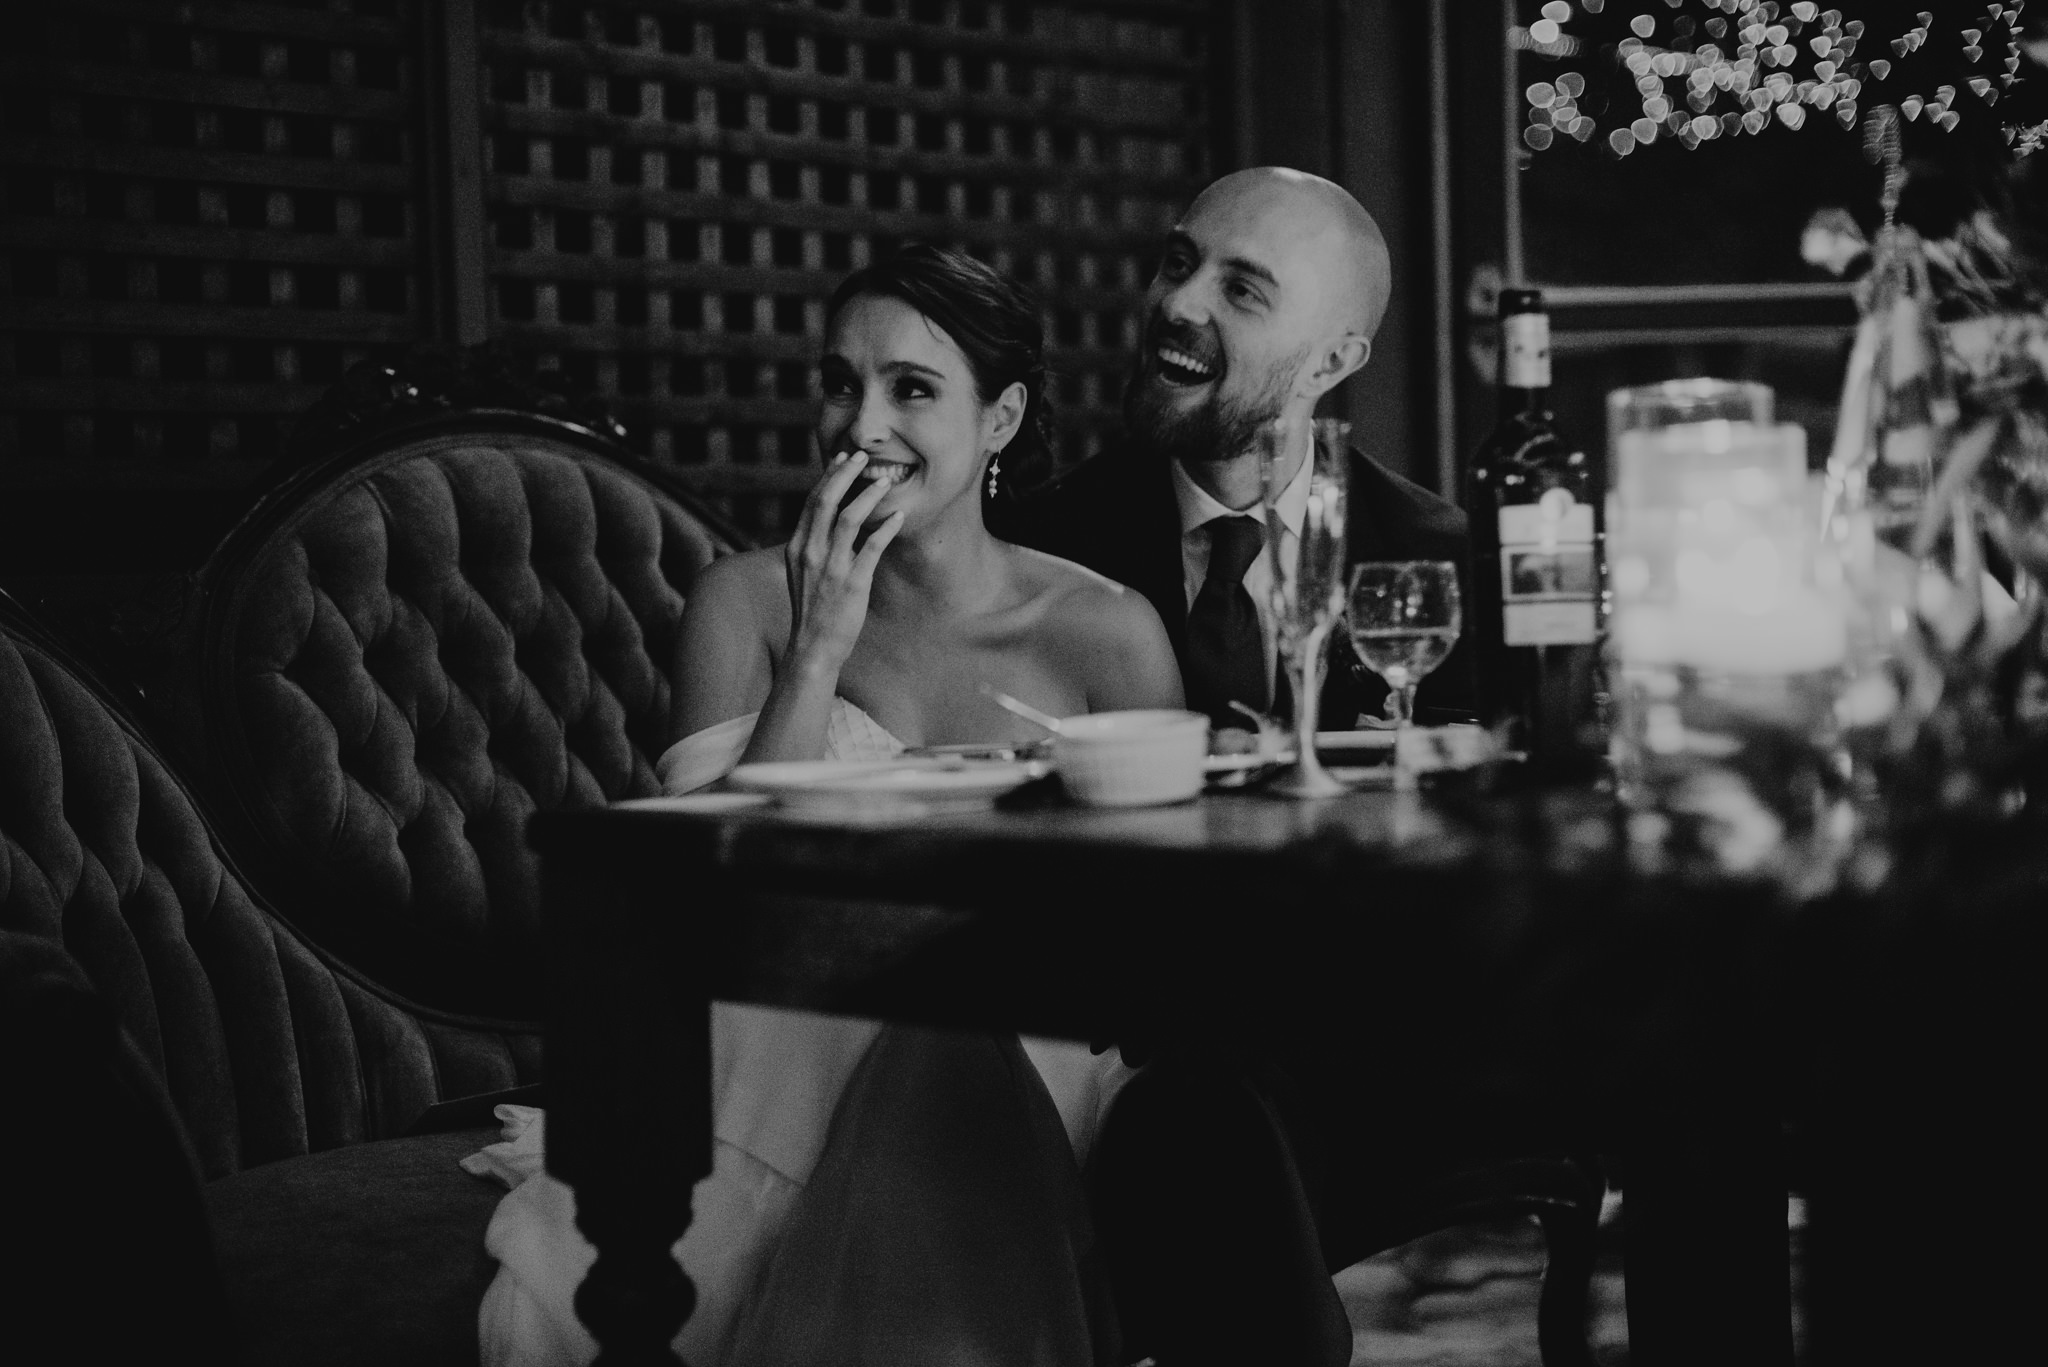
{"points": [[207, 1117], [411, 646]]}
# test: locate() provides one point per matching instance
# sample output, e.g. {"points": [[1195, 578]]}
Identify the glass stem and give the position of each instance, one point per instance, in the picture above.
{"points": [[1402, 695], [1306, 702], [1308, 777]]}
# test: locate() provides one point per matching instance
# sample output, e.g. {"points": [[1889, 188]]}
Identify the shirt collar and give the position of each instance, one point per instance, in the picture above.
{"points": [[1198, 507]]}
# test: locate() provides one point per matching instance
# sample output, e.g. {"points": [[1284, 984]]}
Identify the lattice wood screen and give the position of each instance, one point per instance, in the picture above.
{"points": [[210, 212], [674, 191], [213, 208]]}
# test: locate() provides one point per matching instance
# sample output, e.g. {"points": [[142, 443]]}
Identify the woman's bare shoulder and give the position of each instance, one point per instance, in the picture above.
{"points": [[734, 620], [1082, 600], [1075, 585], [1109, 634], [746, 569], [755, 580]]}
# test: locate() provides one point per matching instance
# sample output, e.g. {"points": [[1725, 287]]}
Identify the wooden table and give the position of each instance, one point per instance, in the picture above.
{"points": [[1680, 1014]]}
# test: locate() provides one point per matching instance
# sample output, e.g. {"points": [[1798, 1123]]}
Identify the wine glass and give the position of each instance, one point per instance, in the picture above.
{"points": [[1404, 619], [1308, 587]]}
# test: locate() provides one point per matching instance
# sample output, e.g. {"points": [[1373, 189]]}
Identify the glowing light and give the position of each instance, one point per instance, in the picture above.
{"points": [[1792, 58], [1753, 574]]}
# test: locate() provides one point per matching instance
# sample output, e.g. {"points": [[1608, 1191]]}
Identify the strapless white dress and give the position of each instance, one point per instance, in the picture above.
{"points": [[776, 1080]]}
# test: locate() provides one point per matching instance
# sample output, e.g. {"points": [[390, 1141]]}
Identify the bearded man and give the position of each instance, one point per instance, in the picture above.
{"points": [[1231, 1179], [1267, 296]]}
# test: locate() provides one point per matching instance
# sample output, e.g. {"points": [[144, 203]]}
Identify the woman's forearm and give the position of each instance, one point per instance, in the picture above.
{"points": [[796, 713]]}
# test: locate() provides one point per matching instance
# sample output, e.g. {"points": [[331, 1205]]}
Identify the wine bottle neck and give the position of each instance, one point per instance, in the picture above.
{"points": [[1525, 352], [1516, 400]]}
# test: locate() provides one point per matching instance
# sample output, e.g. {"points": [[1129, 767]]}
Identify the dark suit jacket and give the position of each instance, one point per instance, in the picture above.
{"points": [[1116, 514]]}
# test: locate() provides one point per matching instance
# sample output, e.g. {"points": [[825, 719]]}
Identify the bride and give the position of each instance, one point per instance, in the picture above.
{"points": [[879, 1194]]}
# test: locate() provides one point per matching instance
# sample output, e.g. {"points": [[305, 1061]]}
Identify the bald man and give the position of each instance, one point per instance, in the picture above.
{"points": [[1268, 294], [1231, 1181]]}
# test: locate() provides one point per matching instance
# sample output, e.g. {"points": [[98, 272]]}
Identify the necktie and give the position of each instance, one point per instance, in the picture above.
{"points": [[1225, 658]]}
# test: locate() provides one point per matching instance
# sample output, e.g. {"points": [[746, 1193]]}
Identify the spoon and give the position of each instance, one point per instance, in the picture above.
{"points": [[1022, 709]]}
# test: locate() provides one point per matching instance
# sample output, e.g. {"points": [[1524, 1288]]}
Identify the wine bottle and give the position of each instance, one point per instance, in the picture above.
{"points": [[1538, 574]]}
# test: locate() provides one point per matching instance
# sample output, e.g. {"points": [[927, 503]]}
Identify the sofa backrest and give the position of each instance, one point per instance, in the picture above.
{"points": [[266, 1047], [408, 649]]}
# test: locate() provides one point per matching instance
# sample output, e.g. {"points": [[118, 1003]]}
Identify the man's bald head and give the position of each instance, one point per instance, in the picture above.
{"points": [[1317, 218], [1268, 292]]}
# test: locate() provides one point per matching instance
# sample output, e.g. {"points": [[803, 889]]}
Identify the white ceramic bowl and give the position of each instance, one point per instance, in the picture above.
{"points": [[1132, 759]]}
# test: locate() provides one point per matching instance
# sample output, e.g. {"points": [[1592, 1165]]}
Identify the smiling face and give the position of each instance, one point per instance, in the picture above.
{"points": [[897, 387], [1262, 279]]}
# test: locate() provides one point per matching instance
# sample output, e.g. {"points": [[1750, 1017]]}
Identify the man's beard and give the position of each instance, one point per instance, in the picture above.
{"points": [[1220, 429]]}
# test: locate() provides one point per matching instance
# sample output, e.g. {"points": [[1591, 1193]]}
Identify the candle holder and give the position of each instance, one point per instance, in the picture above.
{"points": [[1729, 635]]}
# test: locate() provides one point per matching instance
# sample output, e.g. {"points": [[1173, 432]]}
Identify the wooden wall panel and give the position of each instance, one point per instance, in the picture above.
{"points": [[210, 212], [673, 192]]}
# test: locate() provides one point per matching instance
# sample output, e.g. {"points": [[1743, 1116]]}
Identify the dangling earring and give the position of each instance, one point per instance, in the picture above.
{"points": [[995, 467]]}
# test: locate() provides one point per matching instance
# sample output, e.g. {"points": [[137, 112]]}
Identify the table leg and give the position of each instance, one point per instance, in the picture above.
{"points": [[628, 1058], [1705, 1251], [635, 1297], [1927, 1211]]}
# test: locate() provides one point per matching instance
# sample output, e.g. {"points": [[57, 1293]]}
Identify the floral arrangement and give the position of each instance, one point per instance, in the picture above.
{"points": [[1975, 733], [1944, 431]]}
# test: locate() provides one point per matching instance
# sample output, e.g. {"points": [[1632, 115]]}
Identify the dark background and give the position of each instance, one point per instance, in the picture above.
{"points": [[208, 212]]}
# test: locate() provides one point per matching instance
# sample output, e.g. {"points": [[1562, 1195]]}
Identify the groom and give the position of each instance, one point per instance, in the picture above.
{"points": [[1267, 296], [1231, 1183]]}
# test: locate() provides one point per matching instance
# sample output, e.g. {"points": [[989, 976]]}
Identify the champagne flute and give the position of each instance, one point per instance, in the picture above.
{"points": [[1308, 587], [1404, 619]]}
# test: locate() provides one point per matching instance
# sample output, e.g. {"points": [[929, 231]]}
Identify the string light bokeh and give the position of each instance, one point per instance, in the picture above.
{"points": [[1694, 71]]}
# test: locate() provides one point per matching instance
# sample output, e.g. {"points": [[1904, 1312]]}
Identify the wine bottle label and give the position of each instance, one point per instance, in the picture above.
{"points": [[1525, 350], [1549, 573]]}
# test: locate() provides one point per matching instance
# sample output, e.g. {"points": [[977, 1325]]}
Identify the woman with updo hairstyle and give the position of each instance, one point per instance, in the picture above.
{"points": [[997, 328], [880, 1194]]}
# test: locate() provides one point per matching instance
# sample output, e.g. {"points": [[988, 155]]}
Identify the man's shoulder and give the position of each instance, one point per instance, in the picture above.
{"points": [[1402, 511], [1112, 468], [1102, 489]]}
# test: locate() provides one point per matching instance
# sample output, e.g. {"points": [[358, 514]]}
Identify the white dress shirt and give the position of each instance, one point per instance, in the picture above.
{"points": [[1198, 509]]}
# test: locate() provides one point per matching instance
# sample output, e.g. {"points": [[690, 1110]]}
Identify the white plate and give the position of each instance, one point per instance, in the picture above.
{"points": [[703, 804], [1355, 740], [980, 752], [1221, 766], [898, 787]]}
